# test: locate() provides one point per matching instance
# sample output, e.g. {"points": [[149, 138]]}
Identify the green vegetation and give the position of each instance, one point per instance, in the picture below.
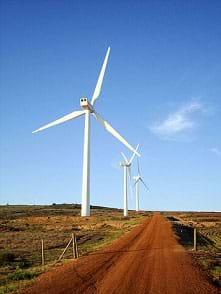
{"points": [[216, 273], [20, 274], [20, 278]]}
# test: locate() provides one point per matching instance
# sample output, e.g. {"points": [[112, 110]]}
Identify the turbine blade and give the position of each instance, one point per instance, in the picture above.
{"points": [[144, 184], [132, 157], [61, 120], [138, 167], [124, 156], [111, 130], [129, 173], [100, 78]]}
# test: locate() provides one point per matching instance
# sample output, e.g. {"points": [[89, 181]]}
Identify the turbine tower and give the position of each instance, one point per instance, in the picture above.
{"points": [[127, 172], [87, 110], [137, 182]]}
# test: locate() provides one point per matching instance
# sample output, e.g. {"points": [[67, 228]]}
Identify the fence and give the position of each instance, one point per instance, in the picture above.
{"points": [[72, 241]]}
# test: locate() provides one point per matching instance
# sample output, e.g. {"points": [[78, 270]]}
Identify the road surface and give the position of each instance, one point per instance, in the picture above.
{"points": [[146, 260]]}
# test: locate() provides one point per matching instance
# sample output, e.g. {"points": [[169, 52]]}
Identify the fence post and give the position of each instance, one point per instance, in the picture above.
{"points": [[76, 246], [194, 239], [42, 252], [73, 243]]}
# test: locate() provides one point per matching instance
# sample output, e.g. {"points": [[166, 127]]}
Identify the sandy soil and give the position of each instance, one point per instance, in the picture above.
{"points": [[146, 260]]}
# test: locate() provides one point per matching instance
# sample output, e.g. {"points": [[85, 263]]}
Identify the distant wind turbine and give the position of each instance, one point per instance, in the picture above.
{"points": [[88, 108], [127, 172], [137, 179]]}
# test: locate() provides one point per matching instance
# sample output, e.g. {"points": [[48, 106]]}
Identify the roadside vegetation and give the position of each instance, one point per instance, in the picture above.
{"points": [[23, 227], [208, 254]]}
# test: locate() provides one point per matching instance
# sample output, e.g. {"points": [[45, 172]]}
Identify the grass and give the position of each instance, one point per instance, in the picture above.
{"points": [[20, 278], [216, 273], [20, 274], [23, 227]]}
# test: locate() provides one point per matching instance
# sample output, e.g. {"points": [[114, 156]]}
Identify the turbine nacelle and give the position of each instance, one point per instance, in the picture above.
{"points": [[86, 105], [138, 178], [127, 164]]}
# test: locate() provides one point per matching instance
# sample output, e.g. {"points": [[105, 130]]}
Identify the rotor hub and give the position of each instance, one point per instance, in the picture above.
{"points": [[85, 104]]}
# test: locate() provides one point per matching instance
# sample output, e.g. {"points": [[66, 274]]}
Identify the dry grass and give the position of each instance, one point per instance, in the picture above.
{"points": [[23, 227], [208, 224]]}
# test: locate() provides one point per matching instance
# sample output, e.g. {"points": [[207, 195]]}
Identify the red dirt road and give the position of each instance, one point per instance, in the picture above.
{"points": [[146, 260]]}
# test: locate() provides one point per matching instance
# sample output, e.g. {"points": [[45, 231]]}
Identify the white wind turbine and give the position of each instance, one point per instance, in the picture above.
{"points": [[127, 172], [137, 179], [87, 110]]}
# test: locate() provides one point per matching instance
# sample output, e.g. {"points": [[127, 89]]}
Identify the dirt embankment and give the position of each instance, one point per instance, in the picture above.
{"points": [[146, 260]]}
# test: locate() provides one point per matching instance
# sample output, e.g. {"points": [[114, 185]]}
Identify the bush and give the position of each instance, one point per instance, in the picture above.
{"points": [[22, 262], [22, 275], [6, 257]]}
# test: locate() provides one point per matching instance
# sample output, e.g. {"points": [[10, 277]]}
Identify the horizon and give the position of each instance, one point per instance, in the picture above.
{"points": [[109, 207]]}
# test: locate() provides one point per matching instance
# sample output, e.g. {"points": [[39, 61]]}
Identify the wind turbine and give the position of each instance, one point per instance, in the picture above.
{"points": [[137, 179], [127, 171], [87, 110]]}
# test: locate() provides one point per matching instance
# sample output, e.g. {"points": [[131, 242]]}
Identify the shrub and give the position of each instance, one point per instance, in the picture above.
{"points": [[6, 257], [22, 262], [20, 274]]}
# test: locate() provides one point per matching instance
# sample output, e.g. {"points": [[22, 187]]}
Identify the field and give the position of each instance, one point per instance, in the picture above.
{"points": [[23, 227], [208, 254]]}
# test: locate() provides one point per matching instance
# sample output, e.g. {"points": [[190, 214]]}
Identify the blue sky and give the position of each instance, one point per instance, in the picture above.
{"points": [[162, 89]]}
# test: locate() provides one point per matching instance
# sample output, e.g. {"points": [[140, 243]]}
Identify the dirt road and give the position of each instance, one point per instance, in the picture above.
{"points": [[146, 260]]}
